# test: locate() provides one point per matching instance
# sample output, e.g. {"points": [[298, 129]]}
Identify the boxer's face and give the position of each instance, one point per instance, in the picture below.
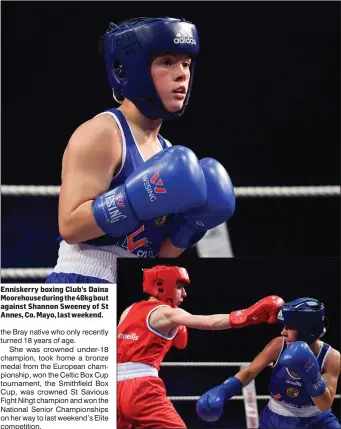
{"points": [[289, 333], [171, 73], [179, 293]]}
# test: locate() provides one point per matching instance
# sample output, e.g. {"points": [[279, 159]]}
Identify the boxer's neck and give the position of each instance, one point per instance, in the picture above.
{"points": [[316, 346], [149, 127]]}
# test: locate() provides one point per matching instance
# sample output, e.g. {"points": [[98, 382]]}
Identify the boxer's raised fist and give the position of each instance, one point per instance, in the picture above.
{"points": [[263, 311]]}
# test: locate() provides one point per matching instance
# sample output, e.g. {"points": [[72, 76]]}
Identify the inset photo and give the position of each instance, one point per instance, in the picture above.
{"points": [[228, 343]]}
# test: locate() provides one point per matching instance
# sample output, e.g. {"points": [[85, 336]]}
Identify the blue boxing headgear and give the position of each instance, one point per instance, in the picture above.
{"points": [[128, 49], [306, 315]]}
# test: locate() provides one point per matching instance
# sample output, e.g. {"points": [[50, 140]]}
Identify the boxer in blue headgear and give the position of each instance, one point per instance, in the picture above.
{"points": [[306, 315], [304, 378], [130, 47], [126, 191]]}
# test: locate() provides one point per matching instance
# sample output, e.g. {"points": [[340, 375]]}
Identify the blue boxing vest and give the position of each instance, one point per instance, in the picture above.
{"points": [[288, 392]]}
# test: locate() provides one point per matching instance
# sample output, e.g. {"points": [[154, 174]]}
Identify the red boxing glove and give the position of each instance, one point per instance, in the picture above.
{"points": [[181, 337], [264, 310]]}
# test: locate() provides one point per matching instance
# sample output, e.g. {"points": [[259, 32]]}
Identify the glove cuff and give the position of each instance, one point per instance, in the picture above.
{"points": [[316, 389], [238, 319], [231, 386], [113, 212]]}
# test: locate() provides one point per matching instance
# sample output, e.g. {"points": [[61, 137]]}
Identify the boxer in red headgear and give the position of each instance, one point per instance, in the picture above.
{"points": [[148, 329]]}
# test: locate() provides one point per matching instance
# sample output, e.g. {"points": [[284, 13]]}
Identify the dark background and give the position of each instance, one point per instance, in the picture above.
{"points": [[221, 286], [265, 103]]}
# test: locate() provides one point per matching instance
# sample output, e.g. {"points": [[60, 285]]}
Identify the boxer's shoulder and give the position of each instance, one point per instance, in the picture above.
{"points": [[333, 361], [273, 348], [96, 136], [276, 343], [100, 129]]}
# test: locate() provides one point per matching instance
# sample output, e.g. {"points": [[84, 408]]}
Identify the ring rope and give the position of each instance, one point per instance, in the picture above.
{"points": [[240, 397], [267, 191], [244, 191], [212, 364], [195, 398], [17, 273], [177, 364]]}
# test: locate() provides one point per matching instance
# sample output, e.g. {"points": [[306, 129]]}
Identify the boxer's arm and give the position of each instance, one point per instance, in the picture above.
{"points": [[268, 355], [210, 405], [168, 250], [178, 316], [330, 376], [89, 162], [263, 311]]}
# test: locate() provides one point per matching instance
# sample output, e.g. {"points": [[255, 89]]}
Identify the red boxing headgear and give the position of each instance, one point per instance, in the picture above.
{"points": [[160, 281]]}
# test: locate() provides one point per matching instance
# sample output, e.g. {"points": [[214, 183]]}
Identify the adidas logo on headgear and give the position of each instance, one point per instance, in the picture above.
{"points": [[184, 38]]}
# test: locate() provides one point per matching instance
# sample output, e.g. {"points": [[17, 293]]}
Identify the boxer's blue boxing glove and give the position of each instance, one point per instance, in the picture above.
{"points": [[190, 227], [172, 181], [299, 358], [210, 405]]}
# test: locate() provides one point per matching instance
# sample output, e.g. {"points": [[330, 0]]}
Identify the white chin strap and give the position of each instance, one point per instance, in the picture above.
{"points": [[324, 331], [115, 98]]}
